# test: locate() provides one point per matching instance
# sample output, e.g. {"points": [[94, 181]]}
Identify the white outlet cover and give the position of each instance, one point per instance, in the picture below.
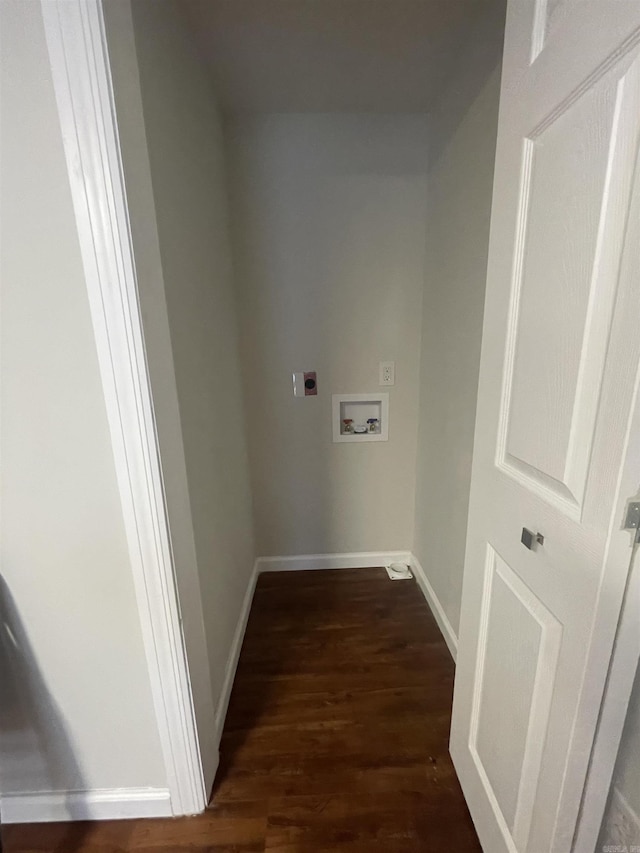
{"points": [[298, 384], [387, 373]]}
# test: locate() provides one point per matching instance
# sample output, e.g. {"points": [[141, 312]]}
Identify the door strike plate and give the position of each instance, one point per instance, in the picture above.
{"points": [[632, 518]]}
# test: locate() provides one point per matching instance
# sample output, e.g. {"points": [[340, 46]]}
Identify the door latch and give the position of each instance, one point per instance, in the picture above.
{"points": [[632, 519], [530, 539]]}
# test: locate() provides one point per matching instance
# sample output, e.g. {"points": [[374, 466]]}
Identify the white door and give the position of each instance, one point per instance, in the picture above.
{"points": [[558, 381]]}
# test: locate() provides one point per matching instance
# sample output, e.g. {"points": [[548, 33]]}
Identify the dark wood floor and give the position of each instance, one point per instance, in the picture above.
{"points": [[335, 740]]}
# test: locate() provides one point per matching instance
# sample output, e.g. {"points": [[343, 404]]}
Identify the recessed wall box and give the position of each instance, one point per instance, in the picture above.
{"points": [[360, 417]]}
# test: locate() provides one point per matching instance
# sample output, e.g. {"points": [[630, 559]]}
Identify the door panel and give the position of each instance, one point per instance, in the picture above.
{"points": [[549, 16], [557, 366], [558, 379], [505, 736]]}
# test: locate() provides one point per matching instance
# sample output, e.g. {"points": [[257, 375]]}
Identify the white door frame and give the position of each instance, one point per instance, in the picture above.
{"points": [[623, 653], [82, 80], [613, 715], [623, 666]]}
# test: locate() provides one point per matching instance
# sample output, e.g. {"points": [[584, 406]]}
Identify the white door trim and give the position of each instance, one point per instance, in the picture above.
{"points": [[82, 81], [613, 715], [620, 652], [623, 666]]}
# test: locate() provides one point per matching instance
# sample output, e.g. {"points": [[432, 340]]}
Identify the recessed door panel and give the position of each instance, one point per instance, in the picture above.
{"points": [[516, 666], [576, 173], [548, 17]]}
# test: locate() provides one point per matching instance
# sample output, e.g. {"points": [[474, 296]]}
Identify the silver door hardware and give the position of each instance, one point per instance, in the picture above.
{"points": [[632, 519], [530, 539]]}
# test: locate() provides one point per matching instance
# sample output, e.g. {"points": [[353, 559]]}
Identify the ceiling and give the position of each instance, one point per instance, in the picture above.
{"points": [[376, 56]]}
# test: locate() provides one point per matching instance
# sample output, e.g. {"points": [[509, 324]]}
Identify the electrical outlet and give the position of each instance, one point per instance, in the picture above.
{"points": [[387, 373]]}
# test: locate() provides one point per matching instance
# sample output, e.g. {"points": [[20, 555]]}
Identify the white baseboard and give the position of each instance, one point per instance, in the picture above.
{"points": [[96, 804], [234, 654], [366, 559], [353, 560], [122, 803], [621, 826], [436, 607]]}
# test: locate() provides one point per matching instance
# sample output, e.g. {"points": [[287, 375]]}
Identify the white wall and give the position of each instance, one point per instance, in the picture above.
{"points": [[462, 151], [174, 171], [329, 225], [75, 705]]}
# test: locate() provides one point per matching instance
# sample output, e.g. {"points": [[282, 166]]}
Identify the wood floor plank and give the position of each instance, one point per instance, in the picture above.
{"points": [[336, 737], [389, 823]]}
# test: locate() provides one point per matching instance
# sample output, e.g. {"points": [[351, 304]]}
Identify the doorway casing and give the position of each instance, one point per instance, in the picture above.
{"points": [[81, 74]]}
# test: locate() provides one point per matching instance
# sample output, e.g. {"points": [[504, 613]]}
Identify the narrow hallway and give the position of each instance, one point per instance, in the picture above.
{"points": [[291, 290], [336, 737], [339, 719]]}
